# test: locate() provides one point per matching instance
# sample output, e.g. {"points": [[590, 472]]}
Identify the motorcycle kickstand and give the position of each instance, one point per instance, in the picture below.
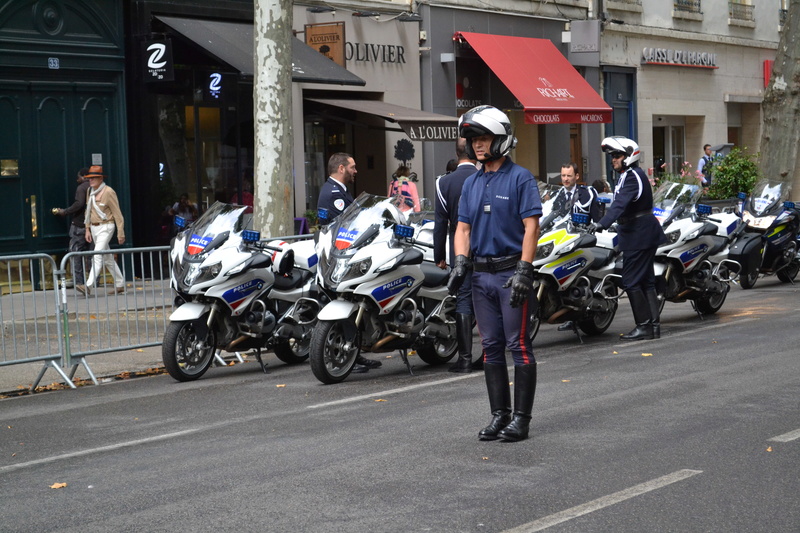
{"points": [[404, 355], [261, 361], [577, 331], [696, 310]]}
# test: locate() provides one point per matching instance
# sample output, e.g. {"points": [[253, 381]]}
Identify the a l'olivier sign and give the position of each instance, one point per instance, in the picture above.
{"points": [[430, 132], [678, 58]]}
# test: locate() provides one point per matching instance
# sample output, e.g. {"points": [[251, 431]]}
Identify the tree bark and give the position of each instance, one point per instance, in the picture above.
{"points": [[272, 105], [781, 108]]}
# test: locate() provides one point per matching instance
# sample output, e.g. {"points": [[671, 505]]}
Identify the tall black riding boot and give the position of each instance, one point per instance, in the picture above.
{"points": [[464, 341], [641, 314], [654, 304], [499, 400], [524, 391]]}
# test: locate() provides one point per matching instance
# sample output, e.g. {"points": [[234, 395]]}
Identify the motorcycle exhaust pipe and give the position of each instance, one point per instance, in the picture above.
{"points": [[558, 314], [384, 340], [230, 347]]}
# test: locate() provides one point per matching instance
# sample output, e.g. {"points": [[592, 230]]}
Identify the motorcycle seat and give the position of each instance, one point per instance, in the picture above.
{"points": [[434, 276], [719, 244], [602, 256], [708, 229], [294, 280]]}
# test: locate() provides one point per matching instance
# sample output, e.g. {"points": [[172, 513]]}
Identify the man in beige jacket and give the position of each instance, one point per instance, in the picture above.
{"points": [[103, 216]]}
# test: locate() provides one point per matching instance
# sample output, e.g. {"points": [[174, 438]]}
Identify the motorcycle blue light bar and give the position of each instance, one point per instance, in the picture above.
{"points": [[180, 221], [404, 232], [704, 209], [604, 199], [249, 235], [580, 218], [322, 215], [742, 196], [788, 205]]}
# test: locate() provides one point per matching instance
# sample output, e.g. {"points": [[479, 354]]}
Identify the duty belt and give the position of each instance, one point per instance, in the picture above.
{"points": [[631, 218], [495, 264]]}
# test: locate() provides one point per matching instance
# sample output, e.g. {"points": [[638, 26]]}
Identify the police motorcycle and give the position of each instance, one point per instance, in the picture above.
{"points": [[694, 263], [574, 274], [384, 296], [770, 243], [236, 292]]}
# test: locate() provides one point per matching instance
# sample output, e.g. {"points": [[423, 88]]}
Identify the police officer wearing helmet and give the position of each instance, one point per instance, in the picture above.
{"points": [[639, 235], [496, 236]]}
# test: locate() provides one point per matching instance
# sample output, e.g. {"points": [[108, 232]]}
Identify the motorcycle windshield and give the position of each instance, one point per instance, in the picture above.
{"points": [[555, 208], [768, 195], [675, 200], [363, 220], [219, 219]]}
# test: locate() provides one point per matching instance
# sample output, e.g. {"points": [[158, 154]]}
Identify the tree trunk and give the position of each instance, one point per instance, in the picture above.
{"points": [[781, 107], [272, 104]]}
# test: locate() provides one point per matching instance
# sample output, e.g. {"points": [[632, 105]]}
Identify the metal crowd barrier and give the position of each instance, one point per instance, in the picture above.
{"points": [[29, 317], [109, 321], [45, 318]]}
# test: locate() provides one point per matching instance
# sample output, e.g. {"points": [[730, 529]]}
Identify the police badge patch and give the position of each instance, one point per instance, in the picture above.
{"points": [[339, 204]]}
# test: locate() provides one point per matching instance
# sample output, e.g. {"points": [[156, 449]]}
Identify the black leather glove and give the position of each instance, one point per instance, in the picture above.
{"points": [[594, 227], [460, 271], [521, 283]]}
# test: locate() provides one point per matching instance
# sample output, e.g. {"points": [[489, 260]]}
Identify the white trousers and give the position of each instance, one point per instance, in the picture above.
{"points": [[101, 235]]}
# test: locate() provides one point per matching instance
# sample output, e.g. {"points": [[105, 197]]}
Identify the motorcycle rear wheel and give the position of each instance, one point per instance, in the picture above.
{"points": [[748, 278], [293, 351], [598, 323], [186, 356], [708, 304], [788, 274], [439, 351], [334, 348]]}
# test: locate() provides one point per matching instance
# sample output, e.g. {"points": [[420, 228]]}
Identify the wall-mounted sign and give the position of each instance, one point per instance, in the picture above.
{"points": [[678, 58], [158, 64], [430, 132], [328, 40], [375, 53], [215, 85]]}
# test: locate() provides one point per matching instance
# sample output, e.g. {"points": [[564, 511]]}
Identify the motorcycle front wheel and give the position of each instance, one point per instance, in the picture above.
{"points": [[186, 355], [788, 274], [334, 348]]}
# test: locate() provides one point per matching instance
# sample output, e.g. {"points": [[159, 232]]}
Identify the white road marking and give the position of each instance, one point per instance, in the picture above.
{"points": [[394, 391], [692, 331], [90, 451], [786, 437], [605, 501]]}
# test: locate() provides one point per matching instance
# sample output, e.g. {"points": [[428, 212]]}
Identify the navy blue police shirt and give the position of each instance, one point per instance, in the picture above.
{"points": [[494, 205], [334, 198], [632, 209], [448, 194]]}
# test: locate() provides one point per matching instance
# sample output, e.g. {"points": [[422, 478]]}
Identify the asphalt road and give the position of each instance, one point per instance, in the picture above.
{"points": [[697, 432]]}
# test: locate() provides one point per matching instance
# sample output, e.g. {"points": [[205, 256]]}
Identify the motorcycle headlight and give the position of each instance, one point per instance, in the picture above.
{"points": [[544, 250], [346, 270], [202, 274], [672, 236]]}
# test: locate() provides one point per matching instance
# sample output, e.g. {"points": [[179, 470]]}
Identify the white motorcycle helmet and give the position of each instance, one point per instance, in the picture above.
{"points": [[622, 145], [487, 120]]}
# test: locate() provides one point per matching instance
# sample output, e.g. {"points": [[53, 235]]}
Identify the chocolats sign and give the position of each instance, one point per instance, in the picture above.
{"points": [[678, 58]]}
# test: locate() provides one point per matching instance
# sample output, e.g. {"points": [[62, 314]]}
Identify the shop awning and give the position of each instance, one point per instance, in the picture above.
{"points": [[418, 125], [549, 88], [232, 43]]}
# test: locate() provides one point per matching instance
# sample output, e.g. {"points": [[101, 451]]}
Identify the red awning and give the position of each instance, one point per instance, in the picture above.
{"points": [[546, 84]]}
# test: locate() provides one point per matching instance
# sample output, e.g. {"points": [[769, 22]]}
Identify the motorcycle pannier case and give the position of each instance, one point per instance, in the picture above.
{"points": [[747, 251]]}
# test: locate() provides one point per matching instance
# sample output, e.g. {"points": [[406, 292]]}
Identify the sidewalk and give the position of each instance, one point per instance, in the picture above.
{"points": [[105, 367]]}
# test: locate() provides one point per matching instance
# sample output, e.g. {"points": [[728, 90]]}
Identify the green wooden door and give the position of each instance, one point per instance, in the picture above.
{"points": [[50, 130]]}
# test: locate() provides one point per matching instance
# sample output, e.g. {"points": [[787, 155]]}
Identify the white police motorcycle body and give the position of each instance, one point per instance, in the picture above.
{"points": [[237, 293], [384, 296]]}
